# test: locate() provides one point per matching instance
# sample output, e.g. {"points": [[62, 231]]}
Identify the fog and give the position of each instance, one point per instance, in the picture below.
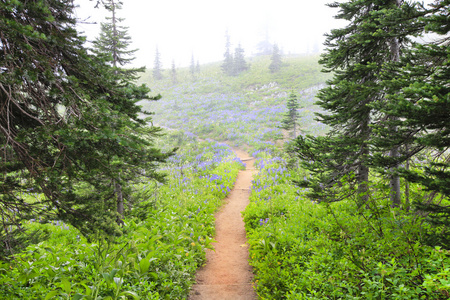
{"points": [[182, 29]]}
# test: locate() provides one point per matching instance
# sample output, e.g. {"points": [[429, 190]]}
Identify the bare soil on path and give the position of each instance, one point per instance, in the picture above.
{"points": [[227, 274]]}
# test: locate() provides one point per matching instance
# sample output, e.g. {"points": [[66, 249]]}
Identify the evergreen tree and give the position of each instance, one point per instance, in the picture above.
{"points": [[114, 40], [419, 103], [70, 123], [157, 66], [192, 66], [275, 64], [233, 65], [290, 119], [174, 73], [239, 64], [265, 47], [418, 96], [228, 63], [356, 56]]}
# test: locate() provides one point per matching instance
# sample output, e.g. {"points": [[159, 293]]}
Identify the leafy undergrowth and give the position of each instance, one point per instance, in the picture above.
{"points": [[301, 249], [156, 258]]}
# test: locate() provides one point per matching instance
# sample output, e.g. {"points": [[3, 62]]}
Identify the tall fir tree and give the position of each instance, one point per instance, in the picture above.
{"points": [[290, 119], [275, 59], [228, 62], [265, 47], [157, 66], [418, 96], [68, 118], [192, 66], [239, 63], [174, 73], [115, 41], [356, 56], [394, 45], [419, 103]]}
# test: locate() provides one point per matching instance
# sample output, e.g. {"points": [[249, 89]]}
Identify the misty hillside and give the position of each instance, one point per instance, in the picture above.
{"points": [[245, 109]]}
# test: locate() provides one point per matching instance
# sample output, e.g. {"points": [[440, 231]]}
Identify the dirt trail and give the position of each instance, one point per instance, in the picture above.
{"points": [[227, 274]]}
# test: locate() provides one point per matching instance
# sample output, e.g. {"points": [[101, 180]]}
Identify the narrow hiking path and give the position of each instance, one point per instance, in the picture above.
{"points": [[227, 274]]}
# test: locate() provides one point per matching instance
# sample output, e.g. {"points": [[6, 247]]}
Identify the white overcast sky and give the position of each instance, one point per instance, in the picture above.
{"points": [[182, 28]]}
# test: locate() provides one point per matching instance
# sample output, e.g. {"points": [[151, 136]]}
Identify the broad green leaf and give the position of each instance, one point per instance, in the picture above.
{"points": [[66, 285], [51, 295], [130, 293], [144, 265], [78, 296]]}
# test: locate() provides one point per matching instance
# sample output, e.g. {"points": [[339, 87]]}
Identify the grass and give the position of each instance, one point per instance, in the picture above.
{"points": [[245, 110]]}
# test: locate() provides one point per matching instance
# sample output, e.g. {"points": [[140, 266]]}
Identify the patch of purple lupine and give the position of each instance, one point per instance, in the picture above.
{"points": [[263, 222]]}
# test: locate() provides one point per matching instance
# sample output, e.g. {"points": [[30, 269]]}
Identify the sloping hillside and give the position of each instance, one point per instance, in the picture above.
{"points": [[244, 110]]}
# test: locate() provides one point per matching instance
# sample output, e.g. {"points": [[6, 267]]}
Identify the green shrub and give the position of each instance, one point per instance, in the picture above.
{"points": [[304, 250]]}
